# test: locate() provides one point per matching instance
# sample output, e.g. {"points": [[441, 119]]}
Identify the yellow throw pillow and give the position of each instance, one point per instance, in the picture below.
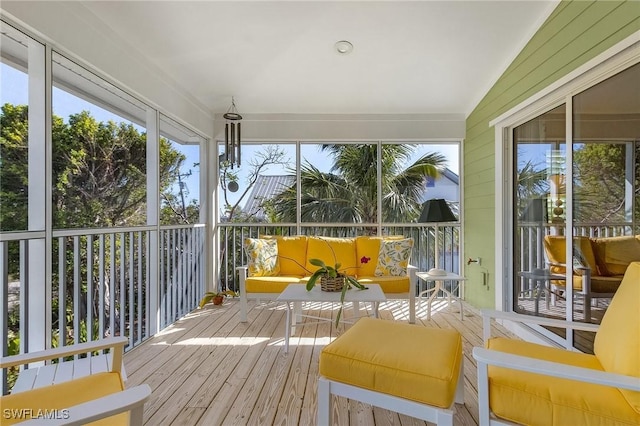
{"points": [[393, 258], [263, 257]]}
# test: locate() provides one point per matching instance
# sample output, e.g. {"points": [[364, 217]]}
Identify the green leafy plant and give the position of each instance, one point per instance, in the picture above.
{"points": [[212, 295], [328, 271]]}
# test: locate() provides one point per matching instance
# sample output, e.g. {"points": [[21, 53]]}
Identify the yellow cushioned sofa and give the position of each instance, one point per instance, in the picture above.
{"points": [[599, 266], [276, 261]]}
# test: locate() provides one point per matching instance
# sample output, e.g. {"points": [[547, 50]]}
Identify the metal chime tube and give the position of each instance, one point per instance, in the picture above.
{"points": [[233, 143], [232, 135], [238, 145], [226, 141]]}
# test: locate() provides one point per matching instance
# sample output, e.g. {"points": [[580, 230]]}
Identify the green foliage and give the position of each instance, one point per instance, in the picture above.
{"points": [[600, 181], [325, 270], [349, 193], [99, 171], [14, 134]]}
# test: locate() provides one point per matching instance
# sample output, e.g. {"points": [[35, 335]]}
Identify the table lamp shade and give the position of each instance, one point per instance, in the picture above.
{"points": [[535, 211], [436, 210]]}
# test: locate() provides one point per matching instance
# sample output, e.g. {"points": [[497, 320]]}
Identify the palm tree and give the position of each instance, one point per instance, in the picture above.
{"points": [[349, 192]]}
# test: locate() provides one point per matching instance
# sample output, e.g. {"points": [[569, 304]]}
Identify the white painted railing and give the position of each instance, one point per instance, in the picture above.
{"points": [[101, 283], [182, 271]]}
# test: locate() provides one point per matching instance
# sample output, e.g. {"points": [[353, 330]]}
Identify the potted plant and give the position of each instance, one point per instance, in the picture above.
{"points": [[331, 279], [217, 297]]}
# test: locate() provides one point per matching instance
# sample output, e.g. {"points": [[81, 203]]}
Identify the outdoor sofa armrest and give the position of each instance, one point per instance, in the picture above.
{"points": [[585, 273], [488, 314], [549, 368]]}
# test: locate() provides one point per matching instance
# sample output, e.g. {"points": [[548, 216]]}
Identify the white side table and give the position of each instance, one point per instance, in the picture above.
{"points": [[439, 280]]}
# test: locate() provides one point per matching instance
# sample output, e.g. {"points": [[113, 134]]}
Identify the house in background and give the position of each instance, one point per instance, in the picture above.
{"points": [[265, 188], [447, 187]]}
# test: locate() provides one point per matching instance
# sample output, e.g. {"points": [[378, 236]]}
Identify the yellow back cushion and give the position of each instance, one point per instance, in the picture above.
{"points": [[555, 247], [615, 253], [617, 343], [367, 249], [332, 250], [292, 254]]}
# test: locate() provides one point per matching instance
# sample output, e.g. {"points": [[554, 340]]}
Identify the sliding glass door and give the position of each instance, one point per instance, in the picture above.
{"points": [[576, 207]]}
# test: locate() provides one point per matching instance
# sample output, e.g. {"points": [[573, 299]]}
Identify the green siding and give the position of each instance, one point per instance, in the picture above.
{"points": [[575, 32]]}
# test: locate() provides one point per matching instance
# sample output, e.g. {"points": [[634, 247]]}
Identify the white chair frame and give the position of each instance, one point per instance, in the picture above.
{"points": [[487, 357], [131, 400]]}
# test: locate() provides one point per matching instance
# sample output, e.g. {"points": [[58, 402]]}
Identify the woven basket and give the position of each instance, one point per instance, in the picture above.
{"points": [[331, 284]]}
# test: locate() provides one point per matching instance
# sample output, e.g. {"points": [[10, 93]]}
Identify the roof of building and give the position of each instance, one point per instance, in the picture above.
{"points": [[266, 187]]}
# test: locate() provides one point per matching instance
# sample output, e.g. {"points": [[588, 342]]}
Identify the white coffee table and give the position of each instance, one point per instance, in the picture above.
{"points": [[295, 294], [439, 280]]}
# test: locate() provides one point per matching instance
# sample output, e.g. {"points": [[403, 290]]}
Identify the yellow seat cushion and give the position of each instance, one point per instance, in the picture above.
{"points": [[617, 342], [270, 284], [535, 399], [292, 254], [46, 399], [408, 361], [388, 284], [332, 250]]}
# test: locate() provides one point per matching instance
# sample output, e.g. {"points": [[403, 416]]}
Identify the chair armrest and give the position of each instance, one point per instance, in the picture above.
{"points": [[584, 269], [487, 314], [548, 368], [117, 343], [100, 408]]}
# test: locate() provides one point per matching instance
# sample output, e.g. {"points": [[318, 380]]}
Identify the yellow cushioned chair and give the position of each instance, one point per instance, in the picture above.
{"points": [[526, 383], [588, 279], [90, 391]]}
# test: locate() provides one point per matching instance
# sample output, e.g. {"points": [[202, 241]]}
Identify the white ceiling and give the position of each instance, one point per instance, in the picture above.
{"points": [[279, 57]]}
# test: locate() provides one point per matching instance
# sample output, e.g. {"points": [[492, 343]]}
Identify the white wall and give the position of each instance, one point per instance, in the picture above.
{"points": [[347, 127]]}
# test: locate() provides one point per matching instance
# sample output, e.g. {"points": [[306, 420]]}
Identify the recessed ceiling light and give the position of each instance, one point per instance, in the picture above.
{"points": [[344, 47]]}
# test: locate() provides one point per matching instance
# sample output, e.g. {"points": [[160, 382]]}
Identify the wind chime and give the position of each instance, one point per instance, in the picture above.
{"points": [[232, 135]]}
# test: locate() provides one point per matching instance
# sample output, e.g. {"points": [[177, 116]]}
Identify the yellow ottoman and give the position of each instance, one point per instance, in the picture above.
{"points": [[401, 367]]}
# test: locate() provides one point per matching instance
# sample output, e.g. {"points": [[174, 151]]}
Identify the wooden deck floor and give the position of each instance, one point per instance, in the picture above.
{"points": [[210, 369]]}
